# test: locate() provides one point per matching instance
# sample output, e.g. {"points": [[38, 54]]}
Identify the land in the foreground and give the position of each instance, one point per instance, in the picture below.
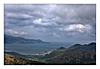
{"points": [[74, 55]]}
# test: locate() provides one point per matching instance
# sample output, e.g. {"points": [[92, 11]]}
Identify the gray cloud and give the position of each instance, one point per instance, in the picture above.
{"points": [[52, 21]]}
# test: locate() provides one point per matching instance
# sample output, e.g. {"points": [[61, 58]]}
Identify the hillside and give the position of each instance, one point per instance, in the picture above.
{"points": [[8, 39], [13, 60], [77, 54]]}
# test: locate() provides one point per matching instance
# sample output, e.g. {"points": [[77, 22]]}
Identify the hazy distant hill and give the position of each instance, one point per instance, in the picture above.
{"points": [[8, 39]]}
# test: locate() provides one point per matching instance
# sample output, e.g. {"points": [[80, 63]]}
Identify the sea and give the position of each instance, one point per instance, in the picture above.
{"points": [[39, 48]]}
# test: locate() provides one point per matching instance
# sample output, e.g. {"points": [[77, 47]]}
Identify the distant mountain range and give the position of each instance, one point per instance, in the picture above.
{"points": [[74, 55], [8, 39]]}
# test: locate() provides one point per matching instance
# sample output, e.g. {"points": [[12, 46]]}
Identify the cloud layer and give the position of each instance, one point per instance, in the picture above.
{"points": [[52, 22]]}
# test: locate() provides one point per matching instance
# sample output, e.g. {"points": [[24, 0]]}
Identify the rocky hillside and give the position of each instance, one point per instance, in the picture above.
{"points": [[13, 60]]}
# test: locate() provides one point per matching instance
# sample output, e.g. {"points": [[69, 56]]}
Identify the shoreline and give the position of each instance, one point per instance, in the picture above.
{"points": [[43, 54]]}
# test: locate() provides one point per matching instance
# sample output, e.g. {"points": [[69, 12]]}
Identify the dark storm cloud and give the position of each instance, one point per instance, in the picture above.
{"points": [[54, 13], [75, 12], [58, 21]]}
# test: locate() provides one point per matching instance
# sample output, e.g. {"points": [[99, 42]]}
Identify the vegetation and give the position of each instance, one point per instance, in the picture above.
{"points": [[13, 60]]}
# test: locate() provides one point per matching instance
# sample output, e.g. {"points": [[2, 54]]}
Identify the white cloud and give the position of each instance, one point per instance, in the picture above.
{"points": [[39, 22], [77, 27], [10, 31], [74, 27], [23, 33], [56, 35], [18, 15]]}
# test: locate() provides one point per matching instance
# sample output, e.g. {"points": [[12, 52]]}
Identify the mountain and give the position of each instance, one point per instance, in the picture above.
{"points": [[8, 39], [76, 54], [61, 48]]}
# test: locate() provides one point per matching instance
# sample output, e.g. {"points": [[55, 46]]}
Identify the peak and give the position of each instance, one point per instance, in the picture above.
{"points": [[92, 43], [77, 45], [61, 48]]}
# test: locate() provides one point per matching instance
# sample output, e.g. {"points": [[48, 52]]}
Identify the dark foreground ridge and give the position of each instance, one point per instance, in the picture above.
{"points": [[74, 55]]}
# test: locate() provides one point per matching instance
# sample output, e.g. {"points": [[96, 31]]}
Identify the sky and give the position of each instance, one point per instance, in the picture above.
{"points": [[51, 22]]}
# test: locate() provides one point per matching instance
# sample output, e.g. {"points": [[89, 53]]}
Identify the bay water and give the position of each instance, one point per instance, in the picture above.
{"points": [[39, 48]]}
